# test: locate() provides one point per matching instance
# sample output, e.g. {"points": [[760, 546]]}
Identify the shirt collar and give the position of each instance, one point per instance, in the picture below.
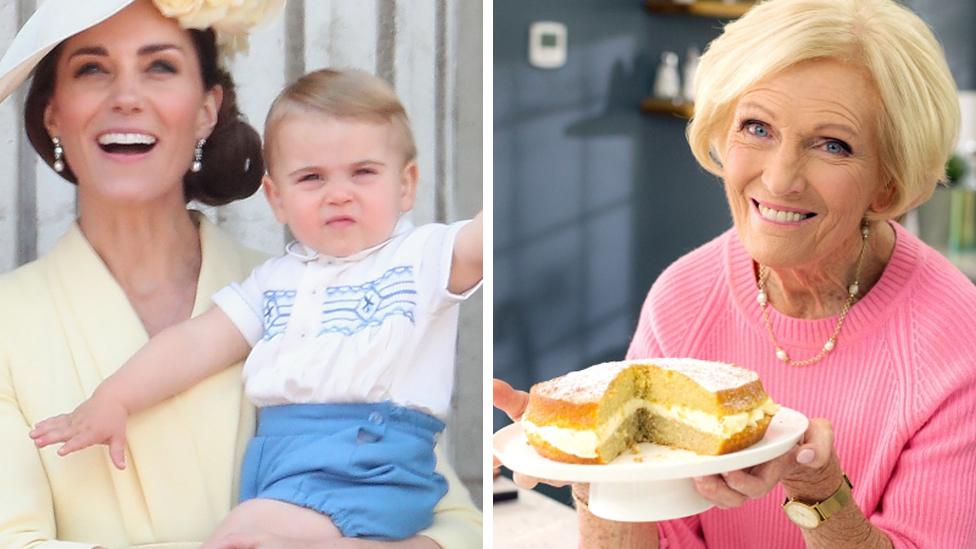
{"points": [[305, 254]]}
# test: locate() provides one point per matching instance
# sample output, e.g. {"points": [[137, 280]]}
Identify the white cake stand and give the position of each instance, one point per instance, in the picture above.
{"points": [[655, 483]]}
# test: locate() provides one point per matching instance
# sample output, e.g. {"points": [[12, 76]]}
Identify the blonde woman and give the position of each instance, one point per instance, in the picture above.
{"points": [[121, 101], [825, 120]]}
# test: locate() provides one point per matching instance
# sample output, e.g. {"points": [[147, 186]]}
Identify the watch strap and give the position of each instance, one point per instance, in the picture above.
{"points": [[836, 501]]}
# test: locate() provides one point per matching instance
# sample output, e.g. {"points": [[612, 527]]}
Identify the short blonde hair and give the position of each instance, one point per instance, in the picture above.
{"points": [[344, 94], [919, 122]]}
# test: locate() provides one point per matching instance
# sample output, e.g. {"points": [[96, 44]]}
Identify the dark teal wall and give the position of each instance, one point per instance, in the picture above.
{"points": [[954, 24]]}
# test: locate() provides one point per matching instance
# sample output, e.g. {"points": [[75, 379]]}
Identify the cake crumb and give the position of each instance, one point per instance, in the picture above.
{"points": [[635, 449], [639, 459]]}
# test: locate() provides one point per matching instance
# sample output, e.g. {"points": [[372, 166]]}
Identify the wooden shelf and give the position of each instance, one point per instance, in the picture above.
{"points": [[704, 8], [665, 106]]}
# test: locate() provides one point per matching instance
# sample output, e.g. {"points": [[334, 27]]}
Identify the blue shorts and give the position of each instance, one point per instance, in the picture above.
{"points": [[369, 467]]}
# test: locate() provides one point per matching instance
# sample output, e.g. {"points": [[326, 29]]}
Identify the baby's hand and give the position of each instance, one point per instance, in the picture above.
{"points": [[95, 421]]}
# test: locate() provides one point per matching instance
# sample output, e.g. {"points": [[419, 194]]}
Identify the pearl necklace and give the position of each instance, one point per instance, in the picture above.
{"points": [[852, 291]]}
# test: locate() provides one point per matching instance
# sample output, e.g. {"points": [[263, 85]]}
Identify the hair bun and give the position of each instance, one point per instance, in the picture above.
{"points": [[232, 161]]}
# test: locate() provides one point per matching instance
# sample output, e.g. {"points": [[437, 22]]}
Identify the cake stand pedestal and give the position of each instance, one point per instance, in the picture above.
{"points": [[655, 482], [648, 501]]}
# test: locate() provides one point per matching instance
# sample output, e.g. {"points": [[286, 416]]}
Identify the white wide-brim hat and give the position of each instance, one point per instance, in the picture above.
{"points": [[54, 22]]}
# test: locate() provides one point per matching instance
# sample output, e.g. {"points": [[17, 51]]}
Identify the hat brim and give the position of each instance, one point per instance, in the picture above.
{"points": [[53, 22]]}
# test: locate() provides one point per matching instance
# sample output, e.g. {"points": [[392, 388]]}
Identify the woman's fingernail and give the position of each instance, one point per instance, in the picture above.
{"points": [[805, 456]]}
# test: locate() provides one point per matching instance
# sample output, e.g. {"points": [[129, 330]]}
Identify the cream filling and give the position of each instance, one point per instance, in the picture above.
{"points": [[584, 442]]}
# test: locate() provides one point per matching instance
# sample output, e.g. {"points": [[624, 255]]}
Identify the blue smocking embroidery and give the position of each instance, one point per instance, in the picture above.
{"points": [[350, 309], [277, 309]]}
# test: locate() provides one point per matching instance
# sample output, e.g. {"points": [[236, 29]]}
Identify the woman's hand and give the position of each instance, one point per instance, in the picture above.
{"points": [[98, 420], [807, 470], [510, 401], [513, 403]]}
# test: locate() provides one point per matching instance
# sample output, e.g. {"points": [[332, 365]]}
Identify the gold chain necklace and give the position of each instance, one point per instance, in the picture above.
{"points": [[852, 291]]}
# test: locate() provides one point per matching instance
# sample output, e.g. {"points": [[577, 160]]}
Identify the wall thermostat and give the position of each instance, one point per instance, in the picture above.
{"points": [[547, 45]]}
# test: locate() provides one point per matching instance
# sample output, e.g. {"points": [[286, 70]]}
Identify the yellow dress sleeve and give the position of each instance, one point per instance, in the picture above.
{"points": [[457, 524], [26, 509]]}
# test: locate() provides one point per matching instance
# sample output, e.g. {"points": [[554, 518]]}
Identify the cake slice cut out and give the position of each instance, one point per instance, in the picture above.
{"points": [[593, 415]]}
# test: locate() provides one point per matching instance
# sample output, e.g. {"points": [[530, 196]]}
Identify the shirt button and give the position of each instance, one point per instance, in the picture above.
{"points": [[376, 418]]}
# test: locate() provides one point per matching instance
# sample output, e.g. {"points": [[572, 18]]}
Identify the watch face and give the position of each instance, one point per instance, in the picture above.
{"points": [[802, 515]]}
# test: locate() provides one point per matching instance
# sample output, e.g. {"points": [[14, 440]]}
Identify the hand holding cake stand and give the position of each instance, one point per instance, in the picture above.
{"points": [[654, 482]]}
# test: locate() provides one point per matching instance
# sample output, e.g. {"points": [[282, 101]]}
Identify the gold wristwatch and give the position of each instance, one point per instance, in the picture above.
{"points": [[810, 515]]}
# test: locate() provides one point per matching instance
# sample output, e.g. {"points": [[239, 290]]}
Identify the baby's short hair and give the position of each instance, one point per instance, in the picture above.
{"points": [[348, 94]]}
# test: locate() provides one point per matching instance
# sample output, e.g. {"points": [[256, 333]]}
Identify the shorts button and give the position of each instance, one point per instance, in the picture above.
{"points": [[376, 418]]}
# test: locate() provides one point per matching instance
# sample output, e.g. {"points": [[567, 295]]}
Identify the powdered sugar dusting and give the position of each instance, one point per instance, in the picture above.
{"points": [[713, 376], [590, 383], [582, 386]]}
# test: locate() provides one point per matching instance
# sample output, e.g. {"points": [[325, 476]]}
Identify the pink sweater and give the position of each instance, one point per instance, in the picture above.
{"points": [[899, 389]]}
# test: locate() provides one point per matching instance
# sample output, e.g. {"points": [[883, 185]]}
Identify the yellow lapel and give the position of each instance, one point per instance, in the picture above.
{"points": [[184, 449]]}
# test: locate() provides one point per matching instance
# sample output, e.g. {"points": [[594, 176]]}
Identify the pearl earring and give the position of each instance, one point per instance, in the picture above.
{"points": [[58, 154], [198, 156]]}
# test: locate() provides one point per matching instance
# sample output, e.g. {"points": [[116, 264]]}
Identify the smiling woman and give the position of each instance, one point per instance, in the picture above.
{"points": [[121, 100], [102, 100], [825, 120], [170, 80], [801, 168]]}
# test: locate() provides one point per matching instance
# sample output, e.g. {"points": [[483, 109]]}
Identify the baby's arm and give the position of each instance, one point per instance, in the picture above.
{"points": [[466, 266], [173, 361]]}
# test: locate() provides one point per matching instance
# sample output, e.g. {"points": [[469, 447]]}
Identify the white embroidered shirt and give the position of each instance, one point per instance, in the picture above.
{"points": [[377, 325]]}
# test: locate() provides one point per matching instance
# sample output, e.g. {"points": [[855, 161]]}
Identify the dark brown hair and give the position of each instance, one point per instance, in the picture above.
{"points": [[232, 162]]}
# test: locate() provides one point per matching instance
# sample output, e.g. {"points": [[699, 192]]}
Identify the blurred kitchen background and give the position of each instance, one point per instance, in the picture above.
{"points": [[595, 189]]}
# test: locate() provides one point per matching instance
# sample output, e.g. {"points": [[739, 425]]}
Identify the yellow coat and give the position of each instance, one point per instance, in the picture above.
{"points": [[65, 326]]}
